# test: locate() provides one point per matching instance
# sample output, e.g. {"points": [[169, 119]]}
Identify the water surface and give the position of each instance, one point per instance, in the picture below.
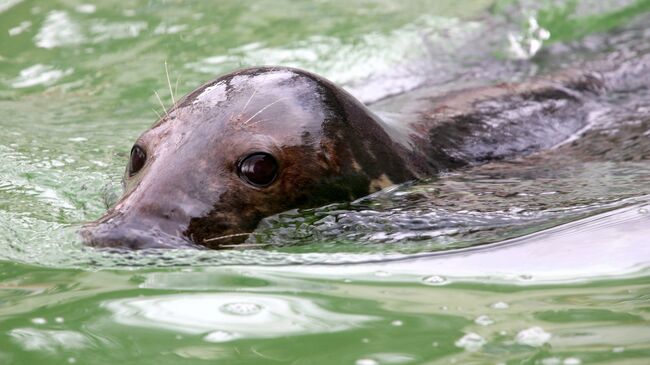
{"points": [[563, 280]]}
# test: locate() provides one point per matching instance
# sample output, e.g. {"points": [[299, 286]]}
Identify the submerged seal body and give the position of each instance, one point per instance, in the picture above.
{"points": [[260, 141]]}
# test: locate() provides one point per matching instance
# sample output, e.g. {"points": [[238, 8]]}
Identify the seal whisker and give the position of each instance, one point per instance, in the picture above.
{"points": [[249, 100], [176, 85], [155, 111], [263, 109], [227, 236], [245, 245], [161, 103], [169, 84], [255, 123]]}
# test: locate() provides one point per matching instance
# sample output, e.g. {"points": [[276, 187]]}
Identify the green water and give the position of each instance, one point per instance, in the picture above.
{"points": [[78, 84]]}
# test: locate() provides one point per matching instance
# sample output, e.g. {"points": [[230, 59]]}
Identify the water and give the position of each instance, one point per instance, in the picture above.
{"points": [[562, 277]]}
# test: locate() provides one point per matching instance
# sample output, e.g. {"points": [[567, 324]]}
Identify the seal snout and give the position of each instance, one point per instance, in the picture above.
{"points": [[129, 235]]}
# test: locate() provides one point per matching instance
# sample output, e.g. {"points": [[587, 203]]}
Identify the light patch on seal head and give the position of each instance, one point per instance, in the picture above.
{"points": [[212, 95], [380, 183], [357, 167]]}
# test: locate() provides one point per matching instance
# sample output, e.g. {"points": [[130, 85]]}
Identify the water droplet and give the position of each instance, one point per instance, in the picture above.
{"points": [[572, 361], [434, 344], [618, 349], [366, 362], [483, 320], [241, 309], [534, 336], [397, 323], [219, 336], [526, 45], [500, 305], [39, 320], [72, 360], [59, 320], [347, 280], [365, 340], [471, 342], [435, 280]]}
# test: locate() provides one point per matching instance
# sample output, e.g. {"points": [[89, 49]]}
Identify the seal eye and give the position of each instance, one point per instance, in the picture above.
{"points": [[259, 169], [138, 158]]}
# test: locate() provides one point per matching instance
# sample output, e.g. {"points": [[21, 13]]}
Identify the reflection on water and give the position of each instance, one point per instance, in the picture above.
{"points": [[32, 339], [281, 316], [227, 317]]}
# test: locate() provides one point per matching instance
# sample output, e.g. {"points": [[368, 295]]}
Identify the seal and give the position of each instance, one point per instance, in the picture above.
{"points": [[260, 141]]}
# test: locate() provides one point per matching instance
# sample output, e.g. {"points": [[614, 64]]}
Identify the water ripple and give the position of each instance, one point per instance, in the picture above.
{"points": [[227, 317]]}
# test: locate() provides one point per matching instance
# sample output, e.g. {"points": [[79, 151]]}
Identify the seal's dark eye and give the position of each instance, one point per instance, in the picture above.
{"points": [[259, 169], [138, 158]]}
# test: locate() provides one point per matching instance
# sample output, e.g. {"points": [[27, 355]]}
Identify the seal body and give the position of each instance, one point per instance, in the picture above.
{"points": [[260, 141]]}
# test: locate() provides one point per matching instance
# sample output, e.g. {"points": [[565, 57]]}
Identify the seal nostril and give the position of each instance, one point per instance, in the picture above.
{"points": [[169, 215]]}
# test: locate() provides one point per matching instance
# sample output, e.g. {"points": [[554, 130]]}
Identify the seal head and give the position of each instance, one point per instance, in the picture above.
{"points": [[245, 146]]}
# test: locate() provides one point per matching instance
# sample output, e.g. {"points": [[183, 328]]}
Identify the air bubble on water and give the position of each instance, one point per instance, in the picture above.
{"points": [[500, 305], [534, 336], [434, 280], [72, 360], [365, 340], [618, 349], [59, 320], [381, 273], [219, 336], [483, 320], [572, 361], [396, 323], [39, 320], [241, 309], [471, 342], [434, 344], [366, 362]]}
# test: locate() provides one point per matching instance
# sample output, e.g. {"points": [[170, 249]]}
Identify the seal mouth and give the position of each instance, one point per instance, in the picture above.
{"points": [[131, 236]]}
